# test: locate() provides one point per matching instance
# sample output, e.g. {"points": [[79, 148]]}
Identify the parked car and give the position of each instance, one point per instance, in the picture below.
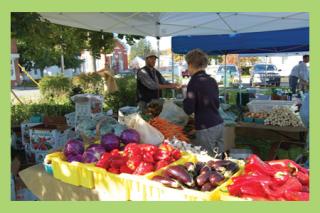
{"points": [[265, 75], [185, 74], [232, 72]]}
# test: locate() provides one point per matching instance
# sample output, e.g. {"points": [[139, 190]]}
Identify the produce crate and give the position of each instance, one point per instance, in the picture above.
{"points": [[45, 139], [148, 190], [141, 188], [109, 185], [267, 105], [74, 173], [87, 106]]}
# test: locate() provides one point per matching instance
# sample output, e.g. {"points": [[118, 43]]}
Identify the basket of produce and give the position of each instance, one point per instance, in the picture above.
{"points": [[283, 116], [277, 180], [190, 181]]}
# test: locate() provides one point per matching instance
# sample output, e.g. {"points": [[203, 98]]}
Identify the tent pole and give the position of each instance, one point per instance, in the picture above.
{"points": [[265, 73], [172, 67], [225, 78], [158, 49]]}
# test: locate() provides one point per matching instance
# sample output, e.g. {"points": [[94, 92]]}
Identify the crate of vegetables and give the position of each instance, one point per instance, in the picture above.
{"points": [[123, 171], [192, 180], [277, 180]]}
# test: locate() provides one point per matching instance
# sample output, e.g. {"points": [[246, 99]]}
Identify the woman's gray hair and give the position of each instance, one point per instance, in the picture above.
{"points": [[197, 58]]}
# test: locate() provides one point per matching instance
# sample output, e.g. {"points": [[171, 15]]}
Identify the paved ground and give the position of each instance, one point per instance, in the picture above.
{"points": [[25, 94]]}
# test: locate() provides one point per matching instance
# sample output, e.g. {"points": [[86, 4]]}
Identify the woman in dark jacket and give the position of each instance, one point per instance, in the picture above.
{"points": [[202, 99]]}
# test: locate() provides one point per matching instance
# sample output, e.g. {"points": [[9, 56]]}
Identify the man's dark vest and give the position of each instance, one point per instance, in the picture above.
{"points": [[144, 93]]}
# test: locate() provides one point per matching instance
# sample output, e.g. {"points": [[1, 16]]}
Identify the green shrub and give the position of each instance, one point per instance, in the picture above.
{"points": [[20, 113], [126, 96], [55, 87], [91, 83]]}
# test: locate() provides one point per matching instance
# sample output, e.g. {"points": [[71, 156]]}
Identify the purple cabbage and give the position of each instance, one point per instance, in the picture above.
{"points": [[110, 142], [93, 153], [73, 147], [77, 158], [130, 136]]}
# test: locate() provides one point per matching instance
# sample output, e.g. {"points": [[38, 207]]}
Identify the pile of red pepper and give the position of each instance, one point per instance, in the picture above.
{"points": [[139, 159], [272, 180]]}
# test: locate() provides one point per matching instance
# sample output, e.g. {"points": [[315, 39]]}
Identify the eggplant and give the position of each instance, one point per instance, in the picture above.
{"points": [[220, 163], [190, 166], [180, 174], [203, 177], [166, 174], [216, 178], [199, 166], [205, 169], [232, 167], [167, 182], [207, 187]]}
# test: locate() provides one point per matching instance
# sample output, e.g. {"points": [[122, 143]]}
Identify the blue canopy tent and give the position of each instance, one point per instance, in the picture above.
{"points": [[280, 41], [293, 40]]}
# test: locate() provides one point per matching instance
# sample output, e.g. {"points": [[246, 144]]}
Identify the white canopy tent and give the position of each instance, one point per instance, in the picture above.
{"points": [[174, 24], [163, 24]]}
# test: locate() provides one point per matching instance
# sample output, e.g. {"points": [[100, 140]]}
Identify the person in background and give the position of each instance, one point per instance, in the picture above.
{"points": [[300, 73], [202, 99], [150, 82]]}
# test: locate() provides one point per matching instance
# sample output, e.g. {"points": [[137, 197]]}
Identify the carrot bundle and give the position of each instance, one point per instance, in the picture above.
{"points": [[169, 130]]}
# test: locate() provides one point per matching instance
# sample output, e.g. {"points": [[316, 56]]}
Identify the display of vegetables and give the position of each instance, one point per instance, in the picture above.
{"points": [[169, 130], [272, 180], [283, 116], [138, 159], [202, 176]]}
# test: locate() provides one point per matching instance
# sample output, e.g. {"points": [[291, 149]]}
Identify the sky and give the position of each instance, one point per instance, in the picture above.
{"points": [[165, 43]]}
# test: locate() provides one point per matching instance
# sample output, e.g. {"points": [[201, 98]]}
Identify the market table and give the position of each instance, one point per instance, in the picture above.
{"points": [[280, 135], [47, 188]]}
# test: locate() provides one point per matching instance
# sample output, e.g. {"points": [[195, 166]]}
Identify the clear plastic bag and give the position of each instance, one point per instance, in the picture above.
{"points": [[171, 112]]}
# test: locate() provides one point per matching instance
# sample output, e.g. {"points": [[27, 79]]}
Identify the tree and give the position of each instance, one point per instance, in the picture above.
{"points": [[131, 39], [140, 49], [41, 43]]}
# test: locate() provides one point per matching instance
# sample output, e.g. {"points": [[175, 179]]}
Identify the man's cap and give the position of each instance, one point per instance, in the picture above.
{"points": [[151, 55]]}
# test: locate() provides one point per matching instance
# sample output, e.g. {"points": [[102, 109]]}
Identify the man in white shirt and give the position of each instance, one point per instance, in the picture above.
{"points": [[299, 72]]}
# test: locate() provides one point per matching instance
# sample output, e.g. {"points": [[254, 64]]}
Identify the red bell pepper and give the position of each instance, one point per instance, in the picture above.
{"points": [[296, 196], [162, 155], [288, 163], [114, 170], [280, 178], [292, 184], [303, 178], [125, 169], [104, 161], [117, 161], [176, 154], [253, 188], [161, 164], [247, 181], [254, 163], [115, 152], [148, 157], [134, 162], [144, 168], [305, 189]]}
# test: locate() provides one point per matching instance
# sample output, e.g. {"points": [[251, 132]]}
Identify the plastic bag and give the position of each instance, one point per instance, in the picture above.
{"points": [[148, 134], [171, 112]]}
